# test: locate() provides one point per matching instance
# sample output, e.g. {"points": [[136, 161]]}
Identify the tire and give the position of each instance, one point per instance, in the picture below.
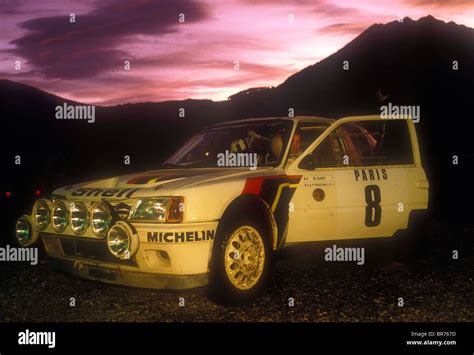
{"points": [[241, 262]]}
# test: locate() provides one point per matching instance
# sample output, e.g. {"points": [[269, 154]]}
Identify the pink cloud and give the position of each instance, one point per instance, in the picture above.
{"points": [[343, 29], [194, 59]]}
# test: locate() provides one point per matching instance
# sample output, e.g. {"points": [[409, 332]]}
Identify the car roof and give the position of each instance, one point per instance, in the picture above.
{"points": [[283, 118]]}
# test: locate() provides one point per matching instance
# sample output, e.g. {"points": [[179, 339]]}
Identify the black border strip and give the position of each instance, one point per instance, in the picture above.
{"points": [[217, 337]]}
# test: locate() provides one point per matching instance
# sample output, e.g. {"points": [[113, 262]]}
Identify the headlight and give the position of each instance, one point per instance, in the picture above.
{"points": [[60, 218], [101, 217], [41, 214], [23, 231], [122, 241], [153, 209], [79, 217]]}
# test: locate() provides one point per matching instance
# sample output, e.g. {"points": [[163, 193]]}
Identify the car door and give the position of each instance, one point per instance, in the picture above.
{"points": [[374, 194], [363, 176], [313, 207]]}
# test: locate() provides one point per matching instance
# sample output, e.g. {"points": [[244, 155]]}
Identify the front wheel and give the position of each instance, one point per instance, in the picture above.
{"points": [[241, 263]]}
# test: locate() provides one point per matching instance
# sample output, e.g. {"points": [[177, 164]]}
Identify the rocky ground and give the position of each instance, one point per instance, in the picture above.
{"points": [[434, 288]]}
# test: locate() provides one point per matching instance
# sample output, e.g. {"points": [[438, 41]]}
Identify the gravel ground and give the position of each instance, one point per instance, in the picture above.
{"points": [[434, 287]]}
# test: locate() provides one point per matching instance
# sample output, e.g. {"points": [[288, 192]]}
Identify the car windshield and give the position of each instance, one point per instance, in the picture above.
{"points": [[249, 144]]}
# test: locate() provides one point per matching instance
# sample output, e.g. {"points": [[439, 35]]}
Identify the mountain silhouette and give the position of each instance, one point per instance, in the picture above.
{"points": [[411, 62]]}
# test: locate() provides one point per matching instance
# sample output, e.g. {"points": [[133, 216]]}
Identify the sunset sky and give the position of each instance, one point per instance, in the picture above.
{"points": [[84, 61]]}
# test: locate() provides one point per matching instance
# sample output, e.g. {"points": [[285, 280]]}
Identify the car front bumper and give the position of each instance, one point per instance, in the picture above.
{"points": [[117, 275], [169, 256]]}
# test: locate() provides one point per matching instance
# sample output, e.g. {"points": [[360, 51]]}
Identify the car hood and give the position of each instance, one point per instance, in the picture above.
{"points": [[163, 182]]}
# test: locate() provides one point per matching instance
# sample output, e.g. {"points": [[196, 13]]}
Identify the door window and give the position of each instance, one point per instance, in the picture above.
{"points": [[305, 134], [366, 143], [377, 143], [330, 152]]}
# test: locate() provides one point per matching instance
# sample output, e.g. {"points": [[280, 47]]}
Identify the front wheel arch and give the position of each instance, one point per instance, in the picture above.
{"points": [[254, 206], [246, 213]]}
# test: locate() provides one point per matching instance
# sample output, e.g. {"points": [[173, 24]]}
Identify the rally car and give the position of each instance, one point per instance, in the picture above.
{"points": [[234, 194]]}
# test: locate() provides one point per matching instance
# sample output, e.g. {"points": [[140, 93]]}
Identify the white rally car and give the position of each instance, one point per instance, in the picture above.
{"points": [[229, 198]]}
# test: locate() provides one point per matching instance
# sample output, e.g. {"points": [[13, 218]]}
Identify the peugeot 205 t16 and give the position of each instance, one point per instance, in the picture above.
{"points": [[233, 195]]}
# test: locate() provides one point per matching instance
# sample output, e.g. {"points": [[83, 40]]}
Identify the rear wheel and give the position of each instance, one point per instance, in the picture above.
{"points": [[240, 263]]}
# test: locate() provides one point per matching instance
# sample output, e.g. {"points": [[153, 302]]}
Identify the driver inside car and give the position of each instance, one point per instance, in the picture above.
{"points": [[268, 149]]}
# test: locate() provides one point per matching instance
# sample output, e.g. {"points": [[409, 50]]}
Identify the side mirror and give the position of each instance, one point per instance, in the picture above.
{"points": [[307, 163]]}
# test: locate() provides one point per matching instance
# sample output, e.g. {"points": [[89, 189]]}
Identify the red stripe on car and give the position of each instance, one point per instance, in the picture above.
{"points": [[253, 185]]}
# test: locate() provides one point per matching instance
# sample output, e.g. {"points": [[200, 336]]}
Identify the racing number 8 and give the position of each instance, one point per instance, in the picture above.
{"points": [[373, 210]]}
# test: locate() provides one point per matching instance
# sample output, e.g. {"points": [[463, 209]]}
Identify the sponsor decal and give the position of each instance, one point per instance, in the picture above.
{"points": [[180, 237], [10, 253], [37, 338], [166, 176], [370, 174], [151, 179], [126, 193]]}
